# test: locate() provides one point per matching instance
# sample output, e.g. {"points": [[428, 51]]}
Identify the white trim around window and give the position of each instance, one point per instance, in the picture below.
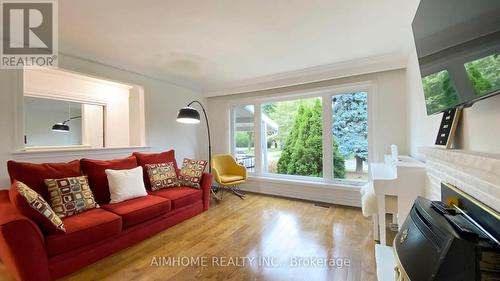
{"points": [[326, 94]]}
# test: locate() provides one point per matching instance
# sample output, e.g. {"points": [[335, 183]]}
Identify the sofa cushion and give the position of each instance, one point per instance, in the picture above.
{"points": [[180, 196], [70, 196], [155, 158], [31, 204], [4, 197], [138, 210], [98, 181], [84, 229], [191, 172], [33, 175]]}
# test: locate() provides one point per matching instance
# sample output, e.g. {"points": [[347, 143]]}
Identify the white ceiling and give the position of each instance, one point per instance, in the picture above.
{"points": [[213, 45]]}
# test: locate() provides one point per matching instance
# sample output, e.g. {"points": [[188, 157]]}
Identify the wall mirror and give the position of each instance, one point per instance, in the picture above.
{"points": [[60, 123], [65, 110]]}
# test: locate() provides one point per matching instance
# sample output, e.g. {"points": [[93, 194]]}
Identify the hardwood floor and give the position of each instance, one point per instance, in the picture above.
{"points": [[274, 231]]}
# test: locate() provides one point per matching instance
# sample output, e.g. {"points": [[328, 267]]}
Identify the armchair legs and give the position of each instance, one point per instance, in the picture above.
{"points": [[232, 188], [238, 192], [215, 194]]}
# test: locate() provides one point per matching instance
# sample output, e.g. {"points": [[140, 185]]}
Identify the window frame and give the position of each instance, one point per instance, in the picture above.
{"points": [[232, 134], [326, 94]]}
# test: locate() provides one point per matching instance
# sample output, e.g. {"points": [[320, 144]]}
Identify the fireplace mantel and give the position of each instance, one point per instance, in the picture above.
{"points": [[477, 174]]}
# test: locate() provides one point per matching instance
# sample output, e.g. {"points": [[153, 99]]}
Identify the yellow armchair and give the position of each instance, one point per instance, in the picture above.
{"points": [[228, 174]]}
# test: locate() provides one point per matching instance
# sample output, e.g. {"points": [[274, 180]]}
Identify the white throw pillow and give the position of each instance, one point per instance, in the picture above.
{"points": [[125, 184]]}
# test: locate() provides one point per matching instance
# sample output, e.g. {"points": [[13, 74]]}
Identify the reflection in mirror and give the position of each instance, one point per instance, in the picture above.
{"points": [[484, 73], [58, 123]]}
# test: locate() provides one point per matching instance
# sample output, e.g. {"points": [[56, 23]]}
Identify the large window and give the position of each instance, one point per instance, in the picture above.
{"points": [[292, 132], [318, 137]]}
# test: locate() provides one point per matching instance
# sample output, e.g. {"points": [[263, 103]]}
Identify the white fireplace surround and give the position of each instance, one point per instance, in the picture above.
{"points": [[477, 174]]}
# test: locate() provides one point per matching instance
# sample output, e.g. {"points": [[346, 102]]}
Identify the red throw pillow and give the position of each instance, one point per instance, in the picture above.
{"points": [[154, 158], [98, 181], [33, 175], [31, 204]]}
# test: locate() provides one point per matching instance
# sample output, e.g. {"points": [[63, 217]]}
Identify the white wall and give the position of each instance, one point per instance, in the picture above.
{"points": [[162, 101], [422, 129], [93, 125], [478, 129], [389, 102], [137, 115]]}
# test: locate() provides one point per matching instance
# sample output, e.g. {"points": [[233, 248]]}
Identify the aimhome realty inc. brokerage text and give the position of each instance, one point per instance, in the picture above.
{"points": [[235, 261]]}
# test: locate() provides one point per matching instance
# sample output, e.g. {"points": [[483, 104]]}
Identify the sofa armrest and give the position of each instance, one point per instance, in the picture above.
{"points": [[22, 246], [206, 186]]}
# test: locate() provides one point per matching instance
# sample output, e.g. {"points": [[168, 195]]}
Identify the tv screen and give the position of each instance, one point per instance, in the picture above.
{"points": [[458, 48]]}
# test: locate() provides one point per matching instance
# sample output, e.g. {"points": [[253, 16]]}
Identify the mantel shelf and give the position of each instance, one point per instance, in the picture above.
{"points": [[476, 163], [436, 149]]}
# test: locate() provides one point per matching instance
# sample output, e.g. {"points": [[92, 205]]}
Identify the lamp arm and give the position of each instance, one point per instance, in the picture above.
{"points": [[76, 117], [208, 131]]}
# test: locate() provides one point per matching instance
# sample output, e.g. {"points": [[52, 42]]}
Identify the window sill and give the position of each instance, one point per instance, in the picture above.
{"points": [[316, 182], [55, 148], [75, 151]]}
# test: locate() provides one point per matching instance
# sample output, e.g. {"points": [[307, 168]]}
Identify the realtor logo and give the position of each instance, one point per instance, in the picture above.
{"points": [[29, 33]]}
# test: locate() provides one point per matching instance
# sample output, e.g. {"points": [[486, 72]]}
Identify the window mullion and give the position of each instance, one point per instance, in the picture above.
{"points": [[258, 139], [327, 137], [232, 133]]}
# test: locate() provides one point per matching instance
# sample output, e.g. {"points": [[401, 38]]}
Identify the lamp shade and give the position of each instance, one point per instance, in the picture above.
{"points": [[188, 115], [60, 127]]}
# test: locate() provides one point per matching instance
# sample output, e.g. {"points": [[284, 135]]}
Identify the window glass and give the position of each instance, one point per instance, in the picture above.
{"points": [[292, 135], [350, 136], [244, 136]]}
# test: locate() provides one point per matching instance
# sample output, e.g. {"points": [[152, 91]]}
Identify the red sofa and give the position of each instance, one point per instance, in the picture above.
{"points": [[31, 253]]}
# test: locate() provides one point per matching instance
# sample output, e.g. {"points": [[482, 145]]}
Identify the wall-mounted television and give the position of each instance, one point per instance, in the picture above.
{"points": [[458, 48]]}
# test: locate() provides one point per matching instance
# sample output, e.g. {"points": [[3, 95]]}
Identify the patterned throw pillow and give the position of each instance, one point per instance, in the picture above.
{"points": [[191, 172], [70, 196], [162, 175], [40, 205]]}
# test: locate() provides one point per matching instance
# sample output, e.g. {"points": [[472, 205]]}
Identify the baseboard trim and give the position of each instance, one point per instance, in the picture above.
{"points": [[344, 197]]}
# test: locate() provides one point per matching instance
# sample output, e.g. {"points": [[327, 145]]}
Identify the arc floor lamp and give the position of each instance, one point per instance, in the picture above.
{"points": [[189, 115]]}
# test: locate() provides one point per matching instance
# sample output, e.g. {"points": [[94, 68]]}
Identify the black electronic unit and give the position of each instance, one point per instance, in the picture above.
{"points": [[456, 241]]}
